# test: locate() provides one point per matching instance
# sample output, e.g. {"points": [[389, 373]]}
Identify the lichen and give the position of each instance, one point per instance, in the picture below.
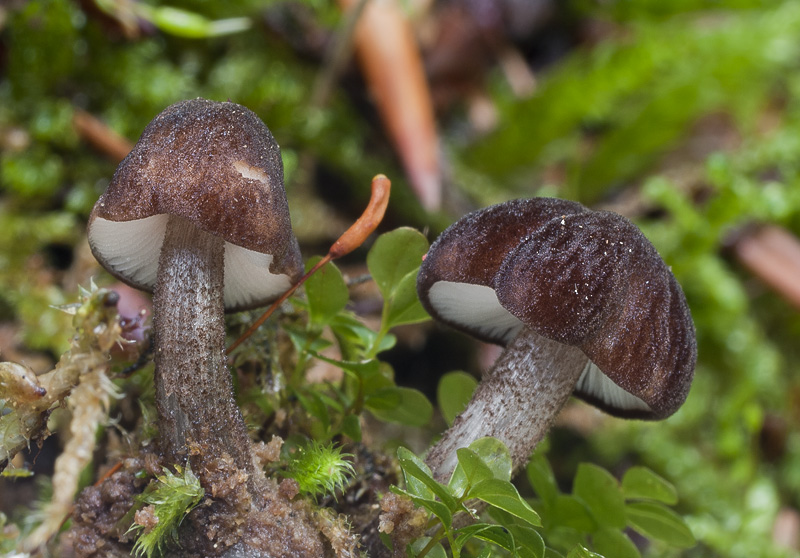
{"points": [[97, 332]]}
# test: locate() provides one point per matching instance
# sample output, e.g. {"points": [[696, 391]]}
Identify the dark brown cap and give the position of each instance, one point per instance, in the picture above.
{"points": [[470, 253], [585, 278], [218, 166]]}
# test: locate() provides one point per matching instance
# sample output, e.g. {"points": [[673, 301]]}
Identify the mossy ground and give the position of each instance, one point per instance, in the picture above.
{"points": [[682, 115]]}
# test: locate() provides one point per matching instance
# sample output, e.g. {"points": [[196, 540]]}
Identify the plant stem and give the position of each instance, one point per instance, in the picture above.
{"points": [[435, 538], [351, 239]]}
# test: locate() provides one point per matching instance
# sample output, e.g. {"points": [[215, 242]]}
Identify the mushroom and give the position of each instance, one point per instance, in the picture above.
{"points": [[583, 304], [197, 214]]}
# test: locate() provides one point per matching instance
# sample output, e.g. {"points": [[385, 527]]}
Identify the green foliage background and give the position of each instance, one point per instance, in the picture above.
{"points": [[628, 116]]}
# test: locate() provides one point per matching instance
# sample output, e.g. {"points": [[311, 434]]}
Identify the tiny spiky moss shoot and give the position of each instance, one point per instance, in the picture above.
{"points": [[166, 503], [320, 469]]}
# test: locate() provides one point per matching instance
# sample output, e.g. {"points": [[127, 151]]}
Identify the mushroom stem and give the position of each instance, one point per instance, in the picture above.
{"points": [[515, 402], [197, 414]]}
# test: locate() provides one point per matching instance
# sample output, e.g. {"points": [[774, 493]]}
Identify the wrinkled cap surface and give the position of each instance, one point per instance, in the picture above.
{"points": [[585, 278], [466, 257], [218, 166]]}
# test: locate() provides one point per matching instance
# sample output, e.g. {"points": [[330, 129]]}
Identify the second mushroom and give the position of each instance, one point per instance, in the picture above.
{"points": [[583, 304]]}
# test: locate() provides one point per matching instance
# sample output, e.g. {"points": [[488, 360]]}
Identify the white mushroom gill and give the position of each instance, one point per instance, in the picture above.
{"points": [[130, 247], [477, 305], [248, 278], [125, 245], [593, 382]]}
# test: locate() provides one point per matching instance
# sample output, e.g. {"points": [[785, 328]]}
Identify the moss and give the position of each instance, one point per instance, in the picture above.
{"points": [[636, 113]]}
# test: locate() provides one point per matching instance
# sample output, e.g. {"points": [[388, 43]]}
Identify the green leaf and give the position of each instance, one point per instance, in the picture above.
{"points": [[582, 552], [436, 550], [453, 393], [305, 341], [314, 406], [485, 458], [541, 477], [600, 491], [362, 370], [417, 474], [190, 25], [326, 292], [373, 384], [337, 401], [414, 468], [521, 541], [354, 337], [386, 399], [494, 534], [568, 511], [351, 427], [415, 486], [393, 256], [527, 538], [403, 306], [470, 471], [641, 482], [434, 506], [495, 454], [504, 495], [615, 543], [400, 405], [656, 521]]}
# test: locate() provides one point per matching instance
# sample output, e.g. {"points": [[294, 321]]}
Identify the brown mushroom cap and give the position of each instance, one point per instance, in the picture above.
{"points": [[470, 253], [218, 166], [584, 278]]}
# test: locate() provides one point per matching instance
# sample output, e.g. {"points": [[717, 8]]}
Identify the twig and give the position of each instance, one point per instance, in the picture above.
{"points": [[392, 66], [773, 254], [349, 241], [99, 135]]}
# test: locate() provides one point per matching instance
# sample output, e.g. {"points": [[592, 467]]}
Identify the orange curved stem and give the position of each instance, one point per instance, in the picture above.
{"points": [[351, 239]]}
